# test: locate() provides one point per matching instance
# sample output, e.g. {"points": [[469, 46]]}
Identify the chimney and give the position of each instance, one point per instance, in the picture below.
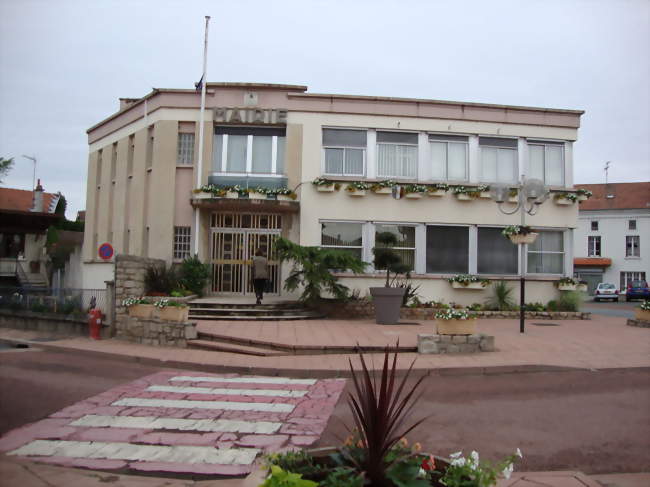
{"points": [[38, 198]]}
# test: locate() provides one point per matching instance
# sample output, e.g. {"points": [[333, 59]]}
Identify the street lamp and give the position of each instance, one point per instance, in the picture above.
{"points": [[532, 193]]}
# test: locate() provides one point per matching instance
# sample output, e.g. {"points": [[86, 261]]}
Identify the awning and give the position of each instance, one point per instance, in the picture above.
{"points": [[592, 262]]}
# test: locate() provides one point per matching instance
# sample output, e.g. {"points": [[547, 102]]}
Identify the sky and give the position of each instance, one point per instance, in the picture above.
{"points": [[65, 63]]}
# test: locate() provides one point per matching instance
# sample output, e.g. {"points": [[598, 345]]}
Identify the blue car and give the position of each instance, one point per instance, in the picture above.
{"points": [[637, 290]]}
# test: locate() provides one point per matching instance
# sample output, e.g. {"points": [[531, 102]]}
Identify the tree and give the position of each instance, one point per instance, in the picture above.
{"points": [[5, 166], [387, 258], [61, 206]]}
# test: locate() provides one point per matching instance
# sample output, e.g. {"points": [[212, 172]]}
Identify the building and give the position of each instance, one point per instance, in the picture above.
{"points": [[144, 182], [613, 235]]}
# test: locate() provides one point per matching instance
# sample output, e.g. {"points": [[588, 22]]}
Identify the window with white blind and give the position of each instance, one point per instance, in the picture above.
{"points": [[546, 255], [593, 246], [182, 238], [447, 249], [397, 155], [496, 255], [346, 236], [546, 162], [248, 150], [632, 244], [405, 247], [498, 160], [448, 157], [344, 152], [185, 155]]}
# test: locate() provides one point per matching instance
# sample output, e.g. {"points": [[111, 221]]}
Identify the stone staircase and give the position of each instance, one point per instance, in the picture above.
{"points": [[287, 310], [34, 282]]}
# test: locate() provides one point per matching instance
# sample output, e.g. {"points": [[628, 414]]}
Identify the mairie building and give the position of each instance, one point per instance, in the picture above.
{"points": [[150, 194]]}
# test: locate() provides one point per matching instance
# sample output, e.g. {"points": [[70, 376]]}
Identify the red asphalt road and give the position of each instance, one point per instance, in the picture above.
{"points": [[596, 422]]}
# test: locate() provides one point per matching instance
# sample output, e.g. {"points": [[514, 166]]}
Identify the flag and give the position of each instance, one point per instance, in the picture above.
{"points": [[199, 84]]}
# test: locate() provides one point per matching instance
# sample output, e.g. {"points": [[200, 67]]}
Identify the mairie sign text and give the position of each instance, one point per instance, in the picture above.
{"points": [[250, 115]]}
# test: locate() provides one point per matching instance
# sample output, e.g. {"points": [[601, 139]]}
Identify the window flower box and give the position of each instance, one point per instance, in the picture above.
{"points": [[254, 195], [582, 287], [203, 196], [485, 194], [582, 197], [456, 327], [565, 199], [358, 192], [286, 197], [567, 284], [563, 202], [437, 192], [463, 197], [467, 281], [413, 196], [469, 285], [381, 187], [231, 195], [325, 185], [520, 238], [325, 189], [357, 188], [567, 287], [383, 191], [141, 310]]}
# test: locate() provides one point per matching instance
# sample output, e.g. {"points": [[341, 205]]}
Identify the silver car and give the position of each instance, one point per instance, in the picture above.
{"points": [[606, 290]]}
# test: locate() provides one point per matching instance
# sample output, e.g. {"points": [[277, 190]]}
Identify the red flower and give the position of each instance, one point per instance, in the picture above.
{"points": [[428, 464]]}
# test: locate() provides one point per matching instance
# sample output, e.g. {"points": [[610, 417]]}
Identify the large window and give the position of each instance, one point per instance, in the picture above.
{"points": [[632, 243], [397, 155], [185, 155], [593, 246], [345, 152], [343, 236], [496, 254], [405, 247], [182, 238], [546, 162], [498, 160], [447, 249], [627, 277], [248, 150], [448, 157], [546, 255]]}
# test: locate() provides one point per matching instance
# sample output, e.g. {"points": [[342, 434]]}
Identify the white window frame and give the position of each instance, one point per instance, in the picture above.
{"points": [[182, 246], [627, 276], [564, 253], [471, 246], [632, 225], [591, 225], [249, 159], [515, 169], [364, 150], [417, 156], [546, 146], [353, 222], [415, 249], [636, 246], [594, 246], [432, 140]]}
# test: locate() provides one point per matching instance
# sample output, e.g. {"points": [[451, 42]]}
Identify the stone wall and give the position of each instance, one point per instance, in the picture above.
{"points": [[364, 309], [153, 331], [130, 271], [443, 344], [50, 323]]}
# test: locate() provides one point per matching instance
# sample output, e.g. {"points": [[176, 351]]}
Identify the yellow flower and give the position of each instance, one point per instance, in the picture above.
{"points": [[417, 447], [404, 442]]}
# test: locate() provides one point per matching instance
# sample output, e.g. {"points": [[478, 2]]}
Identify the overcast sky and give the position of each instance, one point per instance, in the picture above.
{"points": [[65, 63]]}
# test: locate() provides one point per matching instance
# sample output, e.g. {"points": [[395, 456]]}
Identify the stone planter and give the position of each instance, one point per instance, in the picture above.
{"points": [[582, 288], [387, 301], [519, 238], [437, 192], [325, 189], [254, 195], [642, 314], [566, 287], [383, 191], [463, 197], [141, 310], [413, 196], [471, 285], [358, 192], [174, 313], [562, 201], [456, 327]]}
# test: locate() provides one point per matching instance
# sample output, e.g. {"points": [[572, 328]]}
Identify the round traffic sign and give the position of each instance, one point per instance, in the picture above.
{"points": [[106, 251]]}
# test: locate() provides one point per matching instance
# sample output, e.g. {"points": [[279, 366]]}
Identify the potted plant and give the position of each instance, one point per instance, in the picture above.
{"points": [[519, 234], [383, 187], [283, 194], [467, 281], [464, 193], [138, 307], [583, 194], [209, 191], [172, 310], [438, 189], [414, 191], [325, 185], [357, 188], [567, 284], [643, 311], [565, 198], [257, 193], [583, 286], [455, 322], [387, 299]]}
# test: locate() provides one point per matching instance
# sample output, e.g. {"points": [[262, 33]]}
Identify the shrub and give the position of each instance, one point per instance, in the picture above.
{"points": [[570, 301], [501, 299], [534, 307], [160, 279], [386, 258], [194, 275], [552, 305]]}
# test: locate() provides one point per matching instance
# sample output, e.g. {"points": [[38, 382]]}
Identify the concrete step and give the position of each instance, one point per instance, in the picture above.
{"points": [[251, 317], [238, 349]]}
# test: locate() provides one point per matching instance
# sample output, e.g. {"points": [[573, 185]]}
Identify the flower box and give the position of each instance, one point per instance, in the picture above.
{"points": [[325, 189], [642, 314], [203, 196], [437, 192], [582, 288], [141, 310], [254, 195], [513, 199], [358, 192], [456, 327], [413, 196], [387, 190], [520, 238], [566, 287], [284, 197], [174, 313], [232, 195], [582, 197], [485, 194], [563, 201], [470, 285], [463, 197]]}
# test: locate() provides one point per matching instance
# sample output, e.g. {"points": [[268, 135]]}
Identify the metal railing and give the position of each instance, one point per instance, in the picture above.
{"points": [[74, 302]]}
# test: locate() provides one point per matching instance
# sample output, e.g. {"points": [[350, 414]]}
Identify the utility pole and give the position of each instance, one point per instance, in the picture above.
{"points": [[607, 170]]}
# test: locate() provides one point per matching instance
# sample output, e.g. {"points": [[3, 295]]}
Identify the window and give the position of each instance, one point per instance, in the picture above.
{"points": [[129, 158], [149, 155], [342, 236], [182, 238], [498, 160], [185, 156], [632, 246], [405, 247], [12, 244], [593, 246], [546, 162], [248, 150], [113, 161], [546, 255], [594, 226], [397, 155], [345, 152], [448, 157], [496, 254], [627, 277], [447, 249], [631, 224]]}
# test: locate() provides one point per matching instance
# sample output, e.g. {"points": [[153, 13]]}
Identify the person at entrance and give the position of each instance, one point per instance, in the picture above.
{"points": [[260, 274]]}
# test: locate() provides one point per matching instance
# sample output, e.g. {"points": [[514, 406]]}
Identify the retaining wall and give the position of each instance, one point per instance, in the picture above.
{"points": [[50, 323], [444, 344]]}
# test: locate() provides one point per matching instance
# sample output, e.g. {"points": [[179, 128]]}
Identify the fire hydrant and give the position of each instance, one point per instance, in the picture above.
{"points": [[95, 323]]}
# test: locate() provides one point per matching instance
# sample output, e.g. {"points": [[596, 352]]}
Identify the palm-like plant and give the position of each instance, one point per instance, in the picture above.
{"points": [[501, 299]]}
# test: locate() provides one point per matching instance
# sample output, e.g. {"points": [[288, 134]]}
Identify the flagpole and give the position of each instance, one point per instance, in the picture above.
{"points": [[199, 165]]}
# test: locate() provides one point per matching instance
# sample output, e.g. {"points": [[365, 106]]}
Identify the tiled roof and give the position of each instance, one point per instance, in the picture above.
{"points": [[616, 196], [21, 200]]}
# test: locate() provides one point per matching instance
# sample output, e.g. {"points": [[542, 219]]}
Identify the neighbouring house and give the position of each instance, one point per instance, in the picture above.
{"points": [[149, 193], [612, 241], [25, 217]]}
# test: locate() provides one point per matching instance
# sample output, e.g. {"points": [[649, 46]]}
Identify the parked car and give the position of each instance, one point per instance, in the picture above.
{"points": [[637, 290], [606, 290]]}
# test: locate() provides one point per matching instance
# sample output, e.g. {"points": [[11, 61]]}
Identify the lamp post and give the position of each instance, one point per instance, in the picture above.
{"points": [[532, 193]]}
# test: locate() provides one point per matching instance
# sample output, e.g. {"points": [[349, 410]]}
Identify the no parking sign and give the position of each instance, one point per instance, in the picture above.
{"points": [[106, 251]]}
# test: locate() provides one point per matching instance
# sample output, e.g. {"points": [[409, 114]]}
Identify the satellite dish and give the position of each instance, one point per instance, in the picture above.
{"points": [[499, 192]]}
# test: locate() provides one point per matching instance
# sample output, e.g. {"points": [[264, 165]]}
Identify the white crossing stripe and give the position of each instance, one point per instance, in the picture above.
{"points": [[203, 425], [245, 380], [229, 392], [186, 404], [127, 451]]}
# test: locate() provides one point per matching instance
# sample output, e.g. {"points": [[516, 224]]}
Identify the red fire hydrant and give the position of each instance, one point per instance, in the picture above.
{"points": [[95, 323]]}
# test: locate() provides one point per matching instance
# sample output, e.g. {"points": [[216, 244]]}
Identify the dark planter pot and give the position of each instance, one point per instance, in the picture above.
{"points": [[387, 301]]}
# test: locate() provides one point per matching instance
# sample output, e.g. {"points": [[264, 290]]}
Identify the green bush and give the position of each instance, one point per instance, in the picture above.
{"points": [[194, 275], [552, 305], [501, 299], [160, 279], [38, 308], [534, 307], [570, 301], [69, 306]]}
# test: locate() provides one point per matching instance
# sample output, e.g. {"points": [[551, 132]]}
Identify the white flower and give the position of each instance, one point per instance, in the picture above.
{"points": [[456, 455], [474, 456], [458, 462], [518, 453], [422, 473], [508, 471]]}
